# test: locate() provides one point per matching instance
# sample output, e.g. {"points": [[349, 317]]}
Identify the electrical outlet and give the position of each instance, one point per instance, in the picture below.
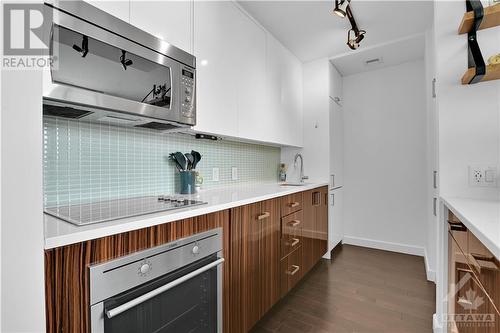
{"points": [[234, 173], [215, 174], [482, 176]]}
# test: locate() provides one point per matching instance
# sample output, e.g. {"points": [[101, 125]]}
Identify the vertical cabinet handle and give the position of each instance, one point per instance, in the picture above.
{"points": [[434, 179], [294, 270], [434, 88], [333, 180], [263, 216], [434, 206], [333, 199]]}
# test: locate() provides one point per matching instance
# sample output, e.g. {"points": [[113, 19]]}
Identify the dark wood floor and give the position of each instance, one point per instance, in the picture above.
{"points": [[360, 290]]}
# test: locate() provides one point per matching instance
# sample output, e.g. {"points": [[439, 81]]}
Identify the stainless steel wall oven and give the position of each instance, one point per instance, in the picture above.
{"points": [[176, 287], [105, 69]]}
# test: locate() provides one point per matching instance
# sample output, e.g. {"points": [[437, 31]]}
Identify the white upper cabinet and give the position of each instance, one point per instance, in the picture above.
{"points": [[216, 41], [119, 9], [171, 21], [253, 122], [284, 94]]}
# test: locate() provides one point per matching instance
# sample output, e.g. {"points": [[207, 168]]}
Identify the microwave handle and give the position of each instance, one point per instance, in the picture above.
{"points": [[136, 301]]}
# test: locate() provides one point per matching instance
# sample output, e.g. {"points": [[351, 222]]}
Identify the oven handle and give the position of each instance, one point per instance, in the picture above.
{"points": [[136, 301]]}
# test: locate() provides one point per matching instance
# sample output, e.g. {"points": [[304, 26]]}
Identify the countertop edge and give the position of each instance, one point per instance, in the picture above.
{"points": [[489, 243], [166, 217]]}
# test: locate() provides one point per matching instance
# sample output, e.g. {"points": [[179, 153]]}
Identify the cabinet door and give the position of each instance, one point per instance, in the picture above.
{"points": [[171, 21], [284, 94], [323, 222], [119, 8], [269, 254], [253, 122], [337, 145], [216, 41], [336, 216]]}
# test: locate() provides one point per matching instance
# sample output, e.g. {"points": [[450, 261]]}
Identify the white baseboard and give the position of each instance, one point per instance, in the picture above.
{"points": [[431, 274], [393, 247], [436, 325], [387, 246]]}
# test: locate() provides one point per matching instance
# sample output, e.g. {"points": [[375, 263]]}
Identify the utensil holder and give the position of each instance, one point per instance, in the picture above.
{"points": [[188, 180]]}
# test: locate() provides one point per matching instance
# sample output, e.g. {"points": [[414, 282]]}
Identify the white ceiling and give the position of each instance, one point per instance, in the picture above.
{"points": [[311, 31], [392, 54]]}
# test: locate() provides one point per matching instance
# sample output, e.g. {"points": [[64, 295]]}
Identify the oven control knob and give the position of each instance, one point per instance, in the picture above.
{"points": [[188, 99], [145, 268], [196, 249]]}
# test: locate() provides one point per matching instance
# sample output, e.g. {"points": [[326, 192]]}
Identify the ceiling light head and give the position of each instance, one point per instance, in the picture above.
{"points": [[124, 61], [351, 39], [341, 7], [360, 35]]}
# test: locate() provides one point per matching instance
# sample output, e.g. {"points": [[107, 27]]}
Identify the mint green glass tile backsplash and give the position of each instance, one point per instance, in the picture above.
{"points": [[87, 162]]}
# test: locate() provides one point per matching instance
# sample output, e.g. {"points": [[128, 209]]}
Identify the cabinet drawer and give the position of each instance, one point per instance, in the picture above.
{"points": [[291, 270], [291, 204], [291, 233]]}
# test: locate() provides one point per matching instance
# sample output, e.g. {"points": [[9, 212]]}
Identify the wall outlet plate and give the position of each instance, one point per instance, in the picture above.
{"points": [[215, 174], [234, 173], [483, 176]]}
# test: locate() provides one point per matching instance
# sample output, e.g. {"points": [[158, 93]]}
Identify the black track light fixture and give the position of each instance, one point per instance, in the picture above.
{"points": [[84, 49], [341, 7], [354, 35], [124, 61]]}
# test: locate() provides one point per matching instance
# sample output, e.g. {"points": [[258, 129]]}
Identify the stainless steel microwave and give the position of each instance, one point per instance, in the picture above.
{"points": [[104, 69]]}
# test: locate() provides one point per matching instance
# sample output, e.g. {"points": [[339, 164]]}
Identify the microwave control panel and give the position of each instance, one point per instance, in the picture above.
{"points": [[187, 92]]}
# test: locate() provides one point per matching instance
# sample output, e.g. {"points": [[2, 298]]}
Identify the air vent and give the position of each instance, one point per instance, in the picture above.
{"points": [[64, 111], [157, 126], [373, 61]]}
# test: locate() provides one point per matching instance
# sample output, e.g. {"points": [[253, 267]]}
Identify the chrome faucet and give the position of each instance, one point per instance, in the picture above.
{"points": [[302, 177]]}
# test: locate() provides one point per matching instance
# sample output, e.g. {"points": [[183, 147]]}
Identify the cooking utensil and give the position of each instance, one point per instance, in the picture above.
{"points": [[172, 158], [190, 160], [196, 158], [181, 159]]}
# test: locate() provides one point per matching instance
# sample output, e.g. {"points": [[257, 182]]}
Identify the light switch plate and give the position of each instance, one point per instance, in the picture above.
{"points": [[482, 176], [215, 174], [234, 173]]}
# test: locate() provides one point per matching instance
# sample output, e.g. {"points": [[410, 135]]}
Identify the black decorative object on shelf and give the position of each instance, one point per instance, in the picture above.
{"points": [[475, 57]]}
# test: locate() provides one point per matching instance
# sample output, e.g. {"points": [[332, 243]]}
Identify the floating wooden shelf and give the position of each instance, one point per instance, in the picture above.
{"points": [[491, 19], [492, 73]]}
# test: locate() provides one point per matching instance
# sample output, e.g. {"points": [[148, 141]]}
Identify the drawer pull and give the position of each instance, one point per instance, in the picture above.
{"points": [[294, 223], [294, 241], [457, 226], [464, 302], [294, 204], [294, 270], [481, 262], [263, 216]]}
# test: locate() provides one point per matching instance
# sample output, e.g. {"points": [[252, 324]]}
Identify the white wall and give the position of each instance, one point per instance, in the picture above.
{"points": [[22, 244], [468, 114], [385, 158]]}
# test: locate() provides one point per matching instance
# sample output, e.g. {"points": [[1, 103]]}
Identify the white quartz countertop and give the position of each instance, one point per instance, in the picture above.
{"points": [[60, 233], [481, 217]]}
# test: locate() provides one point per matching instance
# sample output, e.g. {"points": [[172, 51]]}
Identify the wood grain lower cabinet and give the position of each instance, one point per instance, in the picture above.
{"points": [[66, 268], [291, 270], [263, 258], [255, 247], [473, 283]]}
